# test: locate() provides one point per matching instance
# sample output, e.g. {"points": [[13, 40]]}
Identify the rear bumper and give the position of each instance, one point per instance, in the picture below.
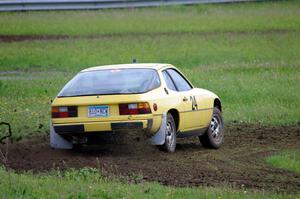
{"points": [[74, 128], [61, 135]]}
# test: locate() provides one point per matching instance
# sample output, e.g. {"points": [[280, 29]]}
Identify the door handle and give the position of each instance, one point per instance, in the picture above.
{"points": [[185, 99]]}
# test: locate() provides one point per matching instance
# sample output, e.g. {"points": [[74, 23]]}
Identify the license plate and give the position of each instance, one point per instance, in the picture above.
{"points": [[98, 111]]}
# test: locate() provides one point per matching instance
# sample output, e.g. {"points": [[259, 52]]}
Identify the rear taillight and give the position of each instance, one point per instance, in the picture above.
{"points": [[64, 111], [134, 108]]}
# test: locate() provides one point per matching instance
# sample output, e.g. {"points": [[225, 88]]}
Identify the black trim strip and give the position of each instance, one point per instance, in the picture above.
{"points": [[126, 125], [203, 109], [195, 132], [69, 129]]}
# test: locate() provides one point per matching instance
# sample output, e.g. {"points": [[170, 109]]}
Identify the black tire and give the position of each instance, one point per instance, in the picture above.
{"points": [[170, 139], [214, 135]]}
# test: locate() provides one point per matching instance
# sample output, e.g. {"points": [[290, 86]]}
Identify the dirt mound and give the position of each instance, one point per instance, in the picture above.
{"points": [[239, 163]]}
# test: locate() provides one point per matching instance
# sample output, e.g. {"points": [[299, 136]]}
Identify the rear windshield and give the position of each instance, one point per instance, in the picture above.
{"points": [[115, 81]]}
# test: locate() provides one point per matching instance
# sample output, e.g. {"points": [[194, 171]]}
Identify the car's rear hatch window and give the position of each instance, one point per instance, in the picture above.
{"points": [[114, 81]]}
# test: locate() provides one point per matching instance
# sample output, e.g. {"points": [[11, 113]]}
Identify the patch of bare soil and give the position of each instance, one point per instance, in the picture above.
{"points": [[238, 163], [16, 38]]}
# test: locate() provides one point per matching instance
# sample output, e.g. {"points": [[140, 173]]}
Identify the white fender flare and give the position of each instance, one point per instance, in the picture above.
{"points": [[160, 137], [57, 141]]}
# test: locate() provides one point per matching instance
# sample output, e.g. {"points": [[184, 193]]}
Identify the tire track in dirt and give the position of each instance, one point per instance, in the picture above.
{"points": [[238, 163], [19, 38]]}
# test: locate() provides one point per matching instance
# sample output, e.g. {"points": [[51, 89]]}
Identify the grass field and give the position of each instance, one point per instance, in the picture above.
{"points": [[247, 53], [254, 70], [288, 160], [88, 183], [264, 16]]}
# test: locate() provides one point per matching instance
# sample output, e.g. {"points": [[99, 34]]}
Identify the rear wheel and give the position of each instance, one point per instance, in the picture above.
{"points": [[170, 139], [214, 136]]}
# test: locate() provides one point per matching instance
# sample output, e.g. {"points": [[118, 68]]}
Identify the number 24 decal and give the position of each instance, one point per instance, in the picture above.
{"points": [[194, 103]]}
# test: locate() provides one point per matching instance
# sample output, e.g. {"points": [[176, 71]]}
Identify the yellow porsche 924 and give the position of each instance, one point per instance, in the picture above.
{"points": [[155, 99]]}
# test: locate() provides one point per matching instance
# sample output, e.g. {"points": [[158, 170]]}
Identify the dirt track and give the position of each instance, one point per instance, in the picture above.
{"points": [[239, 163], [18, 38]]}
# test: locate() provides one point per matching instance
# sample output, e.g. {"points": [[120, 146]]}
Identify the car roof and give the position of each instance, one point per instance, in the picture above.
{"points": [[156, 66]]}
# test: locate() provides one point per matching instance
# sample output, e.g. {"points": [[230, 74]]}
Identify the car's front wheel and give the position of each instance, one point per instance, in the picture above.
{"points": [[214, 136], [170, 135]]}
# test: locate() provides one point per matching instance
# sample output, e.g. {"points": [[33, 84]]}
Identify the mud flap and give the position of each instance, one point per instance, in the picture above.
{"points": [[57, 141], [160, 136]]}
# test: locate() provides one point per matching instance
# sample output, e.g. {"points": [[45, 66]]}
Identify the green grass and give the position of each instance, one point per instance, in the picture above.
{"points": [[262, 16], [26, 96], [186, 51], [256, 75], [246, 53], [88, 183], [287, 160]]}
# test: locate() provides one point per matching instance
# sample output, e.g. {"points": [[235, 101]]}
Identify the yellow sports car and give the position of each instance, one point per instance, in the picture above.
{"points": [[155, 99]]}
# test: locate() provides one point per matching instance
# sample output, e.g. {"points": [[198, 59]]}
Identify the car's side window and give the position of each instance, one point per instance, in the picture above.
{"points": [[168, 81], [180, 83]]}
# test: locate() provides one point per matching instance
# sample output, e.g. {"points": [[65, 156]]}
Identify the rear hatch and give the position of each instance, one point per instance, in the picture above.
{"points": [[100, 95], [98, 108]]}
